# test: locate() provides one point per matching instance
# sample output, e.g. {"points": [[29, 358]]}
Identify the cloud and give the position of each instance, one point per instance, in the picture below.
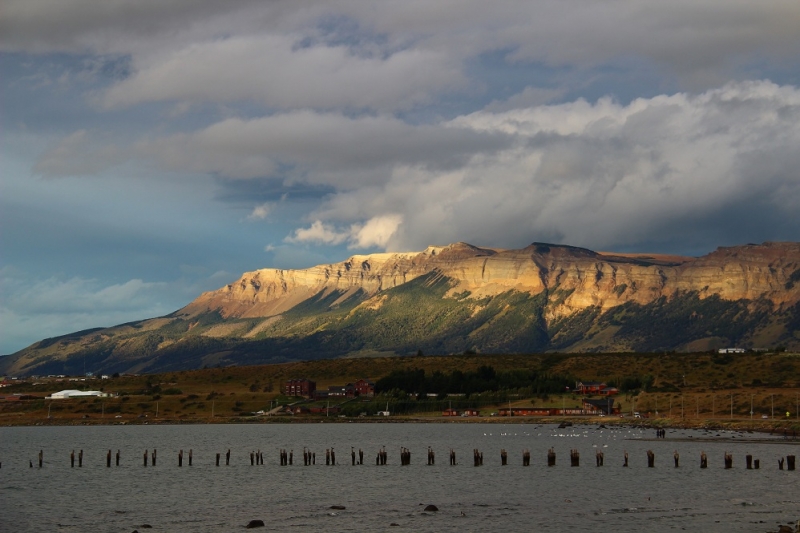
{"points": [[670, 169], [321, 148], [375, 232], [260, 212], [272, 70], [77, 154]]}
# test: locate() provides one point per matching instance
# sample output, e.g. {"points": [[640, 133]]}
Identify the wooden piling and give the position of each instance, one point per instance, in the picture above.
{"points": [[80, 459], [352, 456], [748, 459], [626, 460], [526, 457], [360, 456], [503, 457], [252, 458], [145, 458], [41, 458], [756, 464], [452, 457], [190, 457], [228, 457], [117, 458], [217, 459], [551, 457], [728, 460], [72, 459], [180, 458], [599, 458], [574, 458], [651, 459], [703, 460], [153, 457], [790, 462], [291, 457], [677, 458], [108, 459], [780, 463]]}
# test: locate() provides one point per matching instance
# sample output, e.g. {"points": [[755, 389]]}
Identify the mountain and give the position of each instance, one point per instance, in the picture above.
{"points": [[457, 298]]}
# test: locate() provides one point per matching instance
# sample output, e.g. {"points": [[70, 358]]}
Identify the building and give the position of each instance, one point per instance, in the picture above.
{"points": [[365, 387], [299, 387], [730, 350], [603, 406], [595, 387], [66, 394], [450, 412], [471, 412]]}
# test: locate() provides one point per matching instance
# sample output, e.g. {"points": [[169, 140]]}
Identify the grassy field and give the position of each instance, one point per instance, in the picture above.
{"points": [[688, 389]]}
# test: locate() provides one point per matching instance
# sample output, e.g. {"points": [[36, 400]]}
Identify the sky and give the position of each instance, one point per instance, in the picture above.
{"points": [[154, 149]]}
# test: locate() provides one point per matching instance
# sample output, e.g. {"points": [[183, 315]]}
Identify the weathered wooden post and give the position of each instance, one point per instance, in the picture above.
{"points": [[180, 458], [313, 458], [153, 457], [526, 457], [780, 463], [41, 458], [551, 457], [503, 457], [728, 460], [574, 458], [108, 459], [452, 457], [217, 459], [228, 457], [703, 460], [360, 456], [190, 457], [117, 458], [626, 459], [327, 456], [790, 462], [756, 464], [252, 458], [72, 459], [599, 458], [748, 459], [145, 458], [651, 459], [352, 456], [677, 458], [80, 458]]}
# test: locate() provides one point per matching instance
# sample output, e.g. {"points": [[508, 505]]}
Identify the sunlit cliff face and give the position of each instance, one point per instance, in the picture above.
{"points": [[602, 280]]}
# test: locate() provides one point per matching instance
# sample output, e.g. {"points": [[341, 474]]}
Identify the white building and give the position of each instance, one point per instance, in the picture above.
{"points": [[65, 394], [731, 350]]}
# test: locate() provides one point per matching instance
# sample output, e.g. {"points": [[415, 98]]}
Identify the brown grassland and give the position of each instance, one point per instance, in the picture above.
{"points": [[701, 389]]}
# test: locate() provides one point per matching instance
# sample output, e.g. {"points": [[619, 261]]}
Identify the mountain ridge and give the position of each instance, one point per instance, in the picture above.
{"points": [[459, 297]]}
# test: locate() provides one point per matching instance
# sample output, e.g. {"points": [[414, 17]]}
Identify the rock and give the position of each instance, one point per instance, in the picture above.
{"points": [[338, 507], [255, 523], [146, 526], [393, 524], [431, 508], [785, 529]]}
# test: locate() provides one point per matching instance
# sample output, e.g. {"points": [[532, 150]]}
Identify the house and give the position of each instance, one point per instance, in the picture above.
{"points": [[730, 350], [600, 406], [365, 387], [346, 391], [595, 387], [450, 412], [471, 412], [66, 394], [299, 387]]}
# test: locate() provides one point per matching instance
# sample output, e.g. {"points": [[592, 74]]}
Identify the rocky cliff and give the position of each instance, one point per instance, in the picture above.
{"points": [[456, 298], [603, 280]]}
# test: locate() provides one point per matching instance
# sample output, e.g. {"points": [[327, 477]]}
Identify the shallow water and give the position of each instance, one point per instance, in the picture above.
{"points": [[206, 498]]}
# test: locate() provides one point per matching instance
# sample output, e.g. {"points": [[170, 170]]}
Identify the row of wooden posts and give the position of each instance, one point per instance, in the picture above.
{"points": [[310, 458]]}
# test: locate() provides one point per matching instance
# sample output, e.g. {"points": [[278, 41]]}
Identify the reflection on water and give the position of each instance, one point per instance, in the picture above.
{"points": [[206, 498]]}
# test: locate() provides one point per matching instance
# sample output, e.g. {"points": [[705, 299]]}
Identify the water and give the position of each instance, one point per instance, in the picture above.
{"points": [[204, 498]]}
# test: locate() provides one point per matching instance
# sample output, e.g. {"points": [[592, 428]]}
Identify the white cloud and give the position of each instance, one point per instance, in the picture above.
{"points": [[602, 174], [375, 232], [318, 233], [260, 212]]}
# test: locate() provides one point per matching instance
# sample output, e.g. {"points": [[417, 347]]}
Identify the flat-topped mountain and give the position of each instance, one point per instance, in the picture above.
{"points": [[450, 299]]}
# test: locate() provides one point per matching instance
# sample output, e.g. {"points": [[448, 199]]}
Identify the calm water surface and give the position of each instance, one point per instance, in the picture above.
{"points": [[206, 498]]}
